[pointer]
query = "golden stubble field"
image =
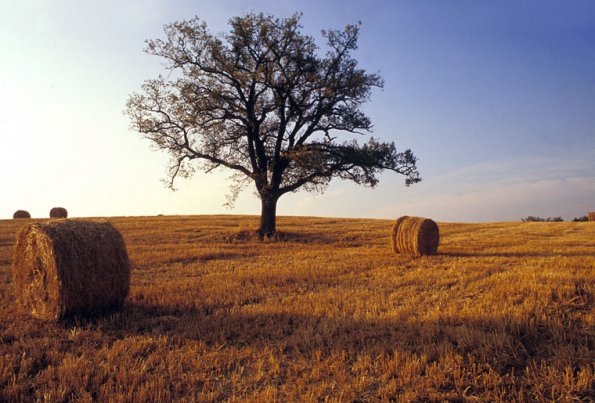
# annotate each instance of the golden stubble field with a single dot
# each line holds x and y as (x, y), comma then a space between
(504, 312)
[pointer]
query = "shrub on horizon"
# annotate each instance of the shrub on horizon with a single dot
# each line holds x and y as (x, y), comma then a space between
(539, 219)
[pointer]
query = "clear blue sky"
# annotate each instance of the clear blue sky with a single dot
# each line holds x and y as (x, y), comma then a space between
(497, 99)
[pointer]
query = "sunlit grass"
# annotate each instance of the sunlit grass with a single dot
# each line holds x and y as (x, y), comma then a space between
(504, 312)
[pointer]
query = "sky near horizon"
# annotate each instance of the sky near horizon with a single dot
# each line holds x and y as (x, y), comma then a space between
(496, 99)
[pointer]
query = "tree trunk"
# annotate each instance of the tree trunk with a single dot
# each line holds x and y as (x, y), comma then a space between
(268, 215)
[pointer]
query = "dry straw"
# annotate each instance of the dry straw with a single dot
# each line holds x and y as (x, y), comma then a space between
(21, 214)
(415, 236)
(58, 212)
(592, 216)
(61, 268)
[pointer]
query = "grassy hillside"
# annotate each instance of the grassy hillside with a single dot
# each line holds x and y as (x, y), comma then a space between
(505, 311)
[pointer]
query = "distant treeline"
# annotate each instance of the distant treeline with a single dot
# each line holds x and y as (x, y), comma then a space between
(552, 219)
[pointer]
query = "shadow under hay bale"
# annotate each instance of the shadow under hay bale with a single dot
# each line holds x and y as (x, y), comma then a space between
(63, 268)
(592, 216)
(58, 212)
(21, 214)
(415, 236)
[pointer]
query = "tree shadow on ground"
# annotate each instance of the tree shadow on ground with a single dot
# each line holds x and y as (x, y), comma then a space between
(534, 254)
(500, 342)
(305, 237)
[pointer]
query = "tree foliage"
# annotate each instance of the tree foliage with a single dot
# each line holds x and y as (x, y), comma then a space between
(265, 102)
(540, 219)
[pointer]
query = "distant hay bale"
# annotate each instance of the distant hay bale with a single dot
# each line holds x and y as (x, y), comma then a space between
(592, 216)
(58, 212)
(415, 236)
(21, 214)
(61, 268)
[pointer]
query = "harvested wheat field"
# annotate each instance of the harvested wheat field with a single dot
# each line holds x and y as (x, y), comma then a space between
(504, 311)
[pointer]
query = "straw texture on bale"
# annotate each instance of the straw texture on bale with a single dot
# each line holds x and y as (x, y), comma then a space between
(58, 212)
(415, 236)
(592, 216)
(21, 214)
(61, 268)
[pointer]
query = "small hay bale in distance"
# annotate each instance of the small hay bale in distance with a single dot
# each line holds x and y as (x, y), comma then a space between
(58, 212)
(592, 216)
(21, 214)
(63, 268)
(415, 236)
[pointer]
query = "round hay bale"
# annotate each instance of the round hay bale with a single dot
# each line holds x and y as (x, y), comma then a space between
(21, 214)
(61, 268)
(415, 236)
(591, 215)
(58, 212)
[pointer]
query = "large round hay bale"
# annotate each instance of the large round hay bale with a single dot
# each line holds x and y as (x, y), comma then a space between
(61, 268)
(21, 214)
(591, 215)
(58, 212)
(415, 236)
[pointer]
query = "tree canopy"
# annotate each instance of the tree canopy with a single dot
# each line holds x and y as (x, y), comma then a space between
(263, 101)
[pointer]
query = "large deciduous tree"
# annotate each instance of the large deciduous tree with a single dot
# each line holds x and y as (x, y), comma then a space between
(263, 101)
